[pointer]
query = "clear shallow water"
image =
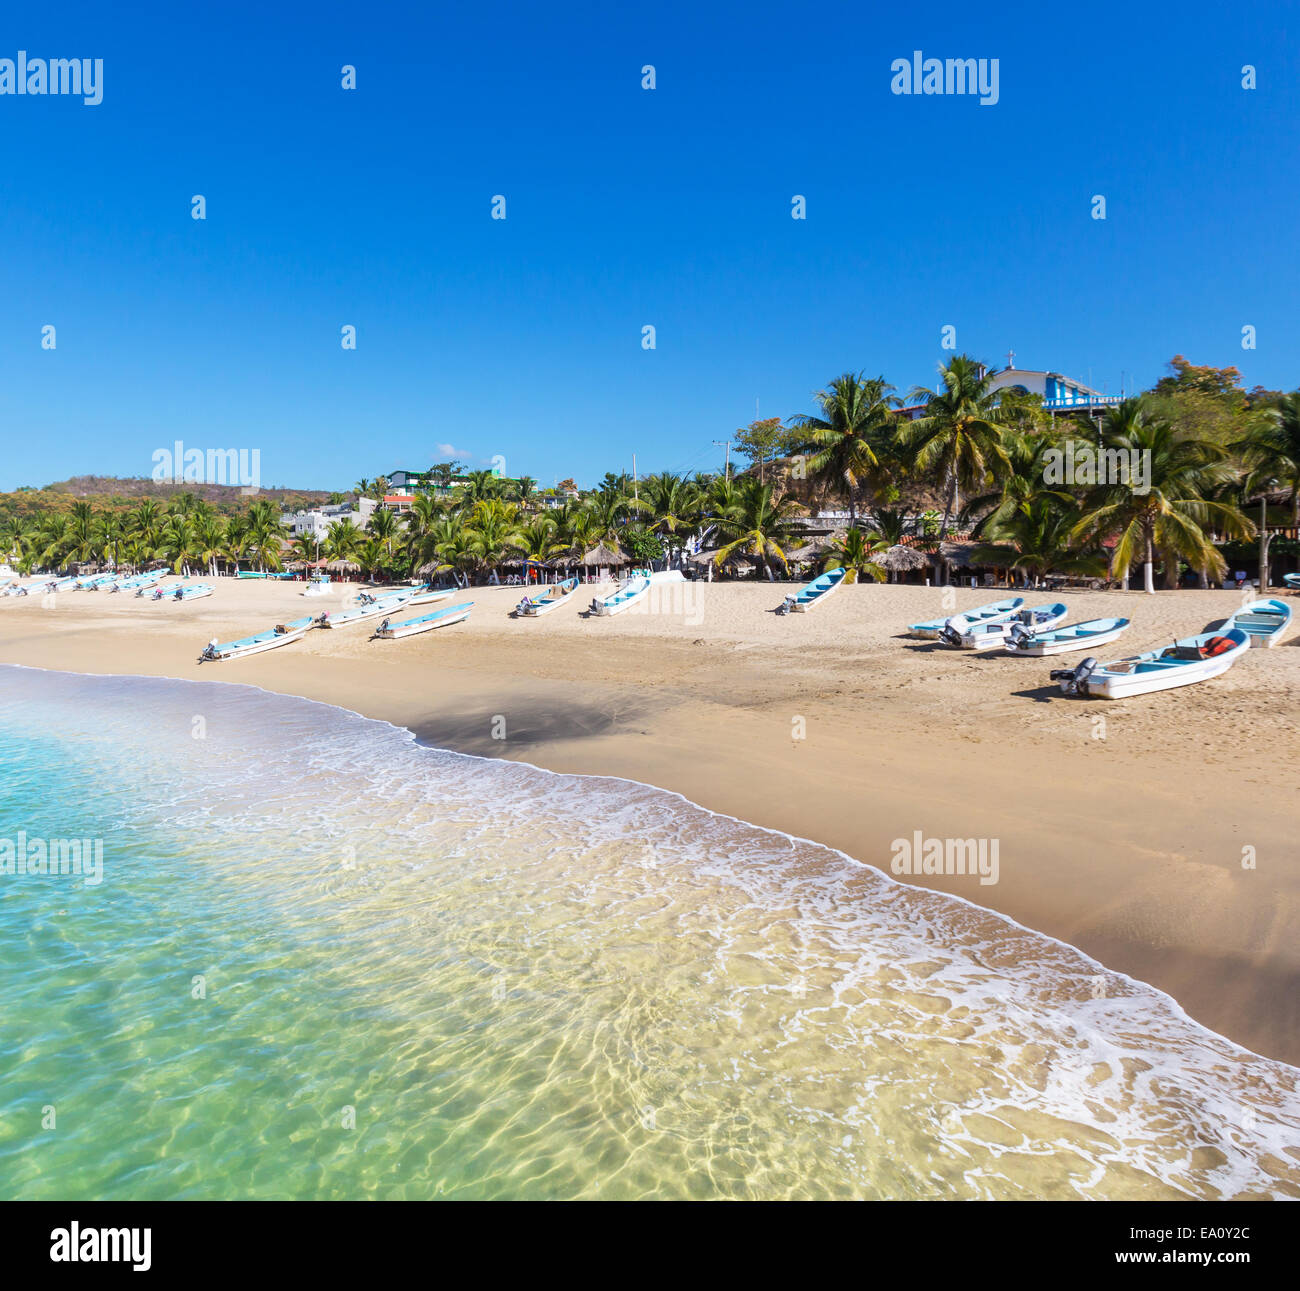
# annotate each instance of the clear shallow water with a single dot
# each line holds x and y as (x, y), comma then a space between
(530, 985)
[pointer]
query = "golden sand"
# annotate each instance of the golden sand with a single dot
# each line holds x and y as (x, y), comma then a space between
(1156, 833)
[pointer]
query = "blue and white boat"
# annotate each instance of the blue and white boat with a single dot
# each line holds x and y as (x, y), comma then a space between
(630, 590)
(1074, 636)
(1265, 622)
(132, 583)
(392, 629)
(1292, 580)
(279, 635)
(811, 593)
(430, 595)
(990, 613)
(370, 609)
(538, 603)
(992, 634)
(187, 592)
(1190, 660)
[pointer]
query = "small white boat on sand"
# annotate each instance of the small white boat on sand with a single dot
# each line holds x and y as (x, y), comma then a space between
(811, 594)
(183, 592)
(279, 635)
(360, 613)
(1264, 622)
(391, 629)
(629, 591)
(1074, 636)
(430, 595)
(1292, 580)
(990, 613)
(992, 634)
(1192, 659)
(538, 603)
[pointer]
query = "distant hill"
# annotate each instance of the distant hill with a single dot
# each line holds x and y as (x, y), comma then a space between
(112, 493)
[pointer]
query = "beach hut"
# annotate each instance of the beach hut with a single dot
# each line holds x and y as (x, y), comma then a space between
(900, 559)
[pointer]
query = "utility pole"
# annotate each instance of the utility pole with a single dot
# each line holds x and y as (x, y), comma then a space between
(635, 497)
(725, 443)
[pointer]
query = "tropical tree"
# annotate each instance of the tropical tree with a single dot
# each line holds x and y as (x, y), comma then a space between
(853, 552)
(960, 435)
(384, 526)
(1035, 537)
(855, 419)
(1174, 512)
(1270, 451)
(758, 525)
(672, 503)
(537, 540)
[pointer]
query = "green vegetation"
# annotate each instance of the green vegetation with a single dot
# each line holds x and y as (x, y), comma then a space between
(1220, 469)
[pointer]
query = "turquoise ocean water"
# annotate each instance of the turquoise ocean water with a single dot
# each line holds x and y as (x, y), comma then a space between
(324, 961)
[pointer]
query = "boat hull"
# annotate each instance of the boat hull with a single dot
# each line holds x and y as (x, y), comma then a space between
(1265, 622)
(530, 609)
(815, 592)
(1040, 649)
(1155, 670)
(395, 631)
(961, 623)
(619, 601)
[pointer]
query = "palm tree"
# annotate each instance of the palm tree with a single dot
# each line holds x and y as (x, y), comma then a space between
(481, 485)
(536, 540)
(1270, 451)
(856, 419)
(492, 533)
(609, 509)
(673, 502)
(210, 540)
(176, 543)
(383, 525)
(757, 525)
(1035, 537)
(306, 548)
(853, 552)
(1175, 512)
(960, 436)
(525, 491)
(343, 540)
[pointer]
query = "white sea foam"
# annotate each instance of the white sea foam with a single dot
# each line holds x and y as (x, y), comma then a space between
(788, 1021)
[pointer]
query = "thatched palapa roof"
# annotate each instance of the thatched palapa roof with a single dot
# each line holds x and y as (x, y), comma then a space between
(600, 554)
(901, 560)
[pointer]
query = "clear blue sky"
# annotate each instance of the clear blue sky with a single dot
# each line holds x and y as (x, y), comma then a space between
(626, 207)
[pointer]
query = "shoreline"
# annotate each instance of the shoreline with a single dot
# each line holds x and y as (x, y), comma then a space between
(1127, 847)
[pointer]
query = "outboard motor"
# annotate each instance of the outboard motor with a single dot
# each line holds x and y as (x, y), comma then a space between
(1074, 681)
(950, 634)
(383, 627)
(1020, 636)
(786, 605)
(522, 607)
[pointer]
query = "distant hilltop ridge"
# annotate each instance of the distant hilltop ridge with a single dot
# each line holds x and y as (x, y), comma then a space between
(110, 488)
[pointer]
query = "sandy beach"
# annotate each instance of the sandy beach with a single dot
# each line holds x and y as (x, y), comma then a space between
(1121, 827)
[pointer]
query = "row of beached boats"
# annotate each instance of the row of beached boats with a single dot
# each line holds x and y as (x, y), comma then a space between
(1011, 626)
(149, 586)
(383, 606)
